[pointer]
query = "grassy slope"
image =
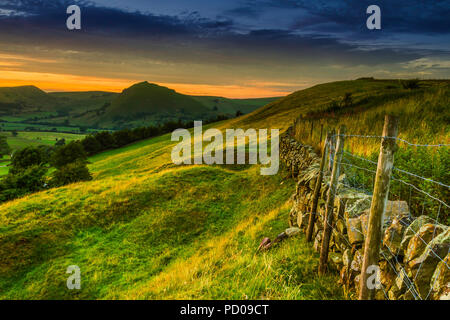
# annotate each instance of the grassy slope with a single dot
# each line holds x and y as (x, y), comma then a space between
(51, 110)
(28, 95)
(146, 229)
(231, 106)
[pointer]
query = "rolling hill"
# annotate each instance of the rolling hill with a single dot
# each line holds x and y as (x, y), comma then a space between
(142, 104)
(147, 229)
(150, 103)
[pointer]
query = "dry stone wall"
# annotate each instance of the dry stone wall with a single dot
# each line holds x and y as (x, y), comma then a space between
(414, 257)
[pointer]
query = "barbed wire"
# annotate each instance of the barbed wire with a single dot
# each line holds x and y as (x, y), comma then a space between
(420, 177)
(420, 190)
(394, 138)
(409, 283)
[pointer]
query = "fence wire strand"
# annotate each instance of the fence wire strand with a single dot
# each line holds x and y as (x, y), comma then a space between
(355, 184)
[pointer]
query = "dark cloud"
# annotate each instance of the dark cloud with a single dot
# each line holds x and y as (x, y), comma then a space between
(401, 16)
(321, 34)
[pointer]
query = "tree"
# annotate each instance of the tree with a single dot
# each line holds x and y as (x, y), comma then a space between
(106, 140)
(69, 153)
(27, 157)
(14, 133)
(71, 173)
(18, 184)
(122, 137)
(239, 113)
(4, 147)
(91, 145)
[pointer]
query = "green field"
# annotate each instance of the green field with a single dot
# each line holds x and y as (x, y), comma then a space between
(25, 138)
(144, 228)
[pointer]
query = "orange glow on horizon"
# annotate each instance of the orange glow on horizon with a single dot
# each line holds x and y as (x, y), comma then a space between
(52, 82)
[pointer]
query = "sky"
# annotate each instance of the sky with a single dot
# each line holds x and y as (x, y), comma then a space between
(231, 48)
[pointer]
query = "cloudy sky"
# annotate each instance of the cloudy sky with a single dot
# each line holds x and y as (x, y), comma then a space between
(232, 48)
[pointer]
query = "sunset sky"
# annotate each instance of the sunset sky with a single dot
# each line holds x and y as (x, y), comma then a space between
(232, 48)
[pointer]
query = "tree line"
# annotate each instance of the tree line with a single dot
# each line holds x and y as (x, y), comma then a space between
(29, 166)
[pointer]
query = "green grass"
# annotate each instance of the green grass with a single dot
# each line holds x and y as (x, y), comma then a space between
(146, 229)
(143, 229)
(25, 139)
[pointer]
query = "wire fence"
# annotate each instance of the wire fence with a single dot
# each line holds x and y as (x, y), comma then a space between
(358, 172)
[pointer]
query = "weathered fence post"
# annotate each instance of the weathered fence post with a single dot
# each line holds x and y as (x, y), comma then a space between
(332, 149)
(328, 220)
(379, 200)
(313, 213)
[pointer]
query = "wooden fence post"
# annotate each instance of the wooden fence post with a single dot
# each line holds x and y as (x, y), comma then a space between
(332, 149)
(328, 220)
(378, 205)
(313, 213)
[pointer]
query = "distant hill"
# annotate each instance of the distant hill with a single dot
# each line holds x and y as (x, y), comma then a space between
(141, 104)
(16, 100)
(29, 95)
(150, 103)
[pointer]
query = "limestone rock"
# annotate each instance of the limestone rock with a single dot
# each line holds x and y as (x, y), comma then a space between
(318, 241)
(347, 257)
(419, 241)
(387, 274)
(412, 229)
(356, 206)
(440, 281)
(340, 241)
(393, 235)
(354, 231)
(422, 268)
(394, 293)
(303, 220)
(293, 218)
(341, 226)
(395, 209)
(335, 261)
(291, 232)
(357, 261)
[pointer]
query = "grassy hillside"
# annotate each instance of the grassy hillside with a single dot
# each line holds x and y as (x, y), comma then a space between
(29, 108)
(150, 103)
(231, 106)
(429, 103)
(24, 95)
(145, 229)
